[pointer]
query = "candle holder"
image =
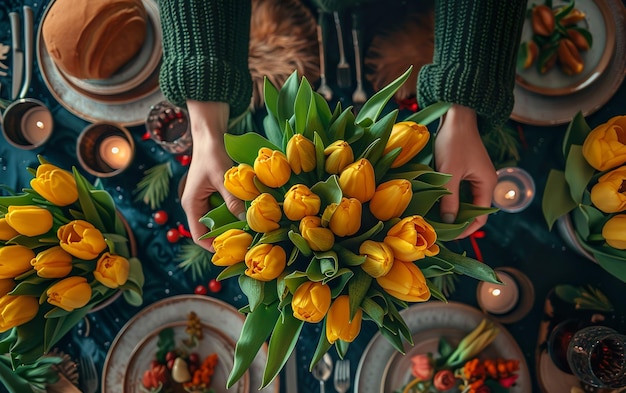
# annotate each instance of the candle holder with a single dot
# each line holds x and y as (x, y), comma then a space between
(168, 125)
(27, 123)
(514, 191)
(510, 302)
(105, 149)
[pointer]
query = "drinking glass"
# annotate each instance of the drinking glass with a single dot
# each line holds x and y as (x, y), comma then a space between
(597, 356)
(168, 126)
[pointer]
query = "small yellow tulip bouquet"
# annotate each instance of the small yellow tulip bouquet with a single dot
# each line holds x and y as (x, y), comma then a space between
(340, 224)
(591, 190)
(64, 249)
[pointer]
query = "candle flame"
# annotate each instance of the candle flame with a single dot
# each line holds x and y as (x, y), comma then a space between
(511, 194)
(40, 124)
(115, 150)
(496, 292)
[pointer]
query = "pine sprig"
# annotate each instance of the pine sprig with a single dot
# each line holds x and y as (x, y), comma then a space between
(195, 258)
(154, 187)
(446, 283)
(502, 144)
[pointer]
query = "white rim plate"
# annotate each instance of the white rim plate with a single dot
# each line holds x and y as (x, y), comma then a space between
(212, 312)
(382, 369)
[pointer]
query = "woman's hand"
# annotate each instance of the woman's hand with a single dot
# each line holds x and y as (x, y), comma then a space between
(460, 152)
(209, 162)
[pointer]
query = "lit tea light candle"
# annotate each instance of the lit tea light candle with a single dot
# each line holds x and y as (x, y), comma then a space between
(514, 191)
(506, 193)
(36, 125)
(115, 151)
(499, 298)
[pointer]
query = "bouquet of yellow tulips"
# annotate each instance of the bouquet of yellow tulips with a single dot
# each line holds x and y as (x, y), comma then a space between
(63, 250)
(340, 224)
(591, 190)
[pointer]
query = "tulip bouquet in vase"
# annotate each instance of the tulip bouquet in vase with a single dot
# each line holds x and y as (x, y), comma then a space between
(341, 223)
(589, 195)
(64, 249)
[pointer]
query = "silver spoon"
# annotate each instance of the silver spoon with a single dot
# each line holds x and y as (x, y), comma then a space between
(322, 370)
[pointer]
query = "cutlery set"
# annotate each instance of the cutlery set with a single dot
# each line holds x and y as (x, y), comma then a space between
(324, 369)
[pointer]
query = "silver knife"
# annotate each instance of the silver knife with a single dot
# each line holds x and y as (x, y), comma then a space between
(291, 373)
(28, 63)
(18, 55)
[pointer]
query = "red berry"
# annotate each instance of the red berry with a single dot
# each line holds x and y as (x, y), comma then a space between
(200, 290)
(171, 355)
(160, 217)
(194, 358)
(172, 235)
(215, 286)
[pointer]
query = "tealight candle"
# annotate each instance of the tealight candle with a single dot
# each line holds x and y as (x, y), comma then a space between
(514, 191)
(499, 298)
(36, 125)
(115, 151)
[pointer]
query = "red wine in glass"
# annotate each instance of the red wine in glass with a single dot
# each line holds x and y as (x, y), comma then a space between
(608, 362)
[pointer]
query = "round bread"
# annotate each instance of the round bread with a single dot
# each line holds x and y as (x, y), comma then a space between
(92, 39)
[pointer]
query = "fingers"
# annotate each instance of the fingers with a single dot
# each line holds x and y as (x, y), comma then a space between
(195, 209)
(449, 206)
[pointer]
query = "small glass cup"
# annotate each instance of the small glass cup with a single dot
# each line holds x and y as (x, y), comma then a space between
(168, 125)
(597, 356)
(514, 191)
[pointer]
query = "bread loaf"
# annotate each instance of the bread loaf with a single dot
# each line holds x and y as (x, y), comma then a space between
(92, 39)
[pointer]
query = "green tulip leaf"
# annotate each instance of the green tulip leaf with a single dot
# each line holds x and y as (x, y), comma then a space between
(133, 297)
(320, 157)
(612, 264)
(578, 172)
(300, 243)
(381, 130)
(468, 212)
(270, 95)
(375, 105)
(354, 242)
(314, 122)
(232, 271)
(383, 165)
(435, 292)
(373, 310)
(433, 267)
(12, 380)
(338, 127)
(218, 231)
(56, 328)
(282, 343)
(87, 205)
(276, 236)
(19, 200)
(301, 107)
(286, 98)
(557, 200)
(322, 112)
(392, 337)
(448, 232)
(273, 131)
(422, 202)
(358, 287)
(467, 266)
(430, 113)
(595, 218)
(322, 347)
(339, 281)
(253, 289)
(33, 286)
(347, 257)
(244, 148)
(328, 191)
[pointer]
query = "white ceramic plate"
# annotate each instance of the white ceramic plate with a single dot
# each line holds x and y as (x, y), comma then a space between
(213, 313)
(382, 369)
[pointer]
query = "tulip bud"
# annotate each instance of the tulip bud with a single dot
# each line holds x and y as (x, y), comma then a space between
(29, 220)
(300, 201)
(346, 217)
(265, 262)
(52, 263)
(405, 281)
(239, 181)
(301, 154)
(542, 20)
(272, 168)
(358, 181)
(378, 258)
(15, 260)
(338, 323)
(6, 231)
(6, 286)
(569, 57)
(231, 247)
(412, 238)
(70, 293)
(16, 311)
(54, 184)
(317, 237)
(338, 156)
(311, 301)
(605, 146)
(614, 231)
(609, 194)
(411, 137)
(264, 214)
(112, 270)
(81, 239)
(391, 199)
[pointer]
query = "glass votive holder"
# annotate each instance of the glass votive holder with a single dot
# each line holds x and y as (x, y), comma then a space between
(27, 123)
(168, 125)
(105, 149)
(507, 302)
(514, 190)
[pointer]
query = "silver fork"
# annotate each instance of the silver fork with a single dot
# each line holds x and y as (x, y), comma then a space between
(342, 376)
(88, 375)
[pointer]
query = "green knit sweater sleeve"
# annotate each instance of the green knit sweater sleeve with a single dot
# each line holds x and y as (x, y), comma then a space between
(204, 57)
(476, 43)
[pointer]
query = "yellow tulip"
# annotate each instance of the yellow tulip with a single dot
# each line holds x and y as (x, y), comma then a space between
(301, 154)
(357, 180)
(6, 286)
(338, 156)
(272, 168)
(300, 201)
(412, 238)
(54, 184)
(70, 293)
(265, 262)
(52, 263)
(614, 231)
(378, 258)
(605, 146)
(112, 270)
(239, 181)
(15, 260)
(81, 239)
(231, 247)
(391, 199)
(316, 236)
(264, 214)
(16, 311)
(608, 194)
(29, 220)
(405, 281)
(6, 231)
(411, 137)
(338, 323)
(346, 219)
(311, 301)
